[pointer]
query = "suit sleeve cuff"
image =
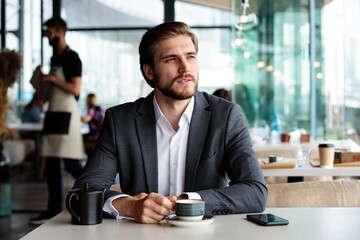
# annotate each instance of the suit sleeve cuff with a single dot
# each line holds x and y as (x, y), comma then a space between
(110, 209)
(193, 195)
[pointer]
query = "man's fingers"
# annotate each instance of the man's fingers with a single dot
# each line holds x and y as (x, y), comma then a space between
(141, 196)
(150, 211)
(161, 200)
(150, 208)
(149, 216)
(159, 204)
(172, 198)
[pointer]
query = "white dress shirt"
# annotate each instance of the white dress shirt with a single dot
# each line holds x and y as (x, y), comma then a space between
(171, 151)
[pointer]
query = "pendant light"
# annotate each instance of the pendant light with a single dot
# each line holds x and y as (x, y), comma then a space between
(244, 17)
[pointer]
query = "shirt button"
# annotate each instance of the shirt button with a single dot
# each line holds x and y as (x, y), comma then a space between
(174, 164)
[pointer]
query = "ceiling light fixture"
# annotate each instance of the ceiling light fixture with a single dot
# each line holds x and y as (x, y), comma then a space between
(240, 41)
(244, 17)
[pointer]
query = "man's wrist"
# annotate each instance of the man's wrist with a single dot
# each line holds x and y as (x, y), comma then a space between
(123, 205)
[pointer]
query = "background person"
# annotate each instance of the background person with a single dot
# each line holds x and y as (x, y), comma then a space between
(95, 117)
(223, 93)
(33, 111)
(62, 139)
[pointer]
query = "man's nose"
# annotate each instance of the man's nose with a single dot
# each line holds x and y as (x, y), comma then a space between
(184, 66)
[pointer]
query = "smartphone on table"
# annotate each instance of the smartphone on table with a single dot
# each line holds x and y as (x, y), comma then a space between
(267, 219)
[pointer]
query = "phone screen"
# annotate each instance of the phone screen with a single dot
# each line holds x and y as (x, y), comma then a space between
(267, 219)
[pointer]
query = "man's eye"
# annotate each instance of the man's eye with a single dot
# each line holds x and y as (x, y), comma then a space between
(170, 60)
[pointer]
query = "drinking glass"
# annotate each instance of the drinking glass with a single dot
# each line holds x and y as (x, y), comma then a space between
(302, 155)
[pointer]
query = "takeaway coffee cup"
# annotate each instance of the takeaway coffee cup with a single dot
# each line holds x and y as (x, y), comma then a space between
(85, 205)
(327, 153)
(189, 209)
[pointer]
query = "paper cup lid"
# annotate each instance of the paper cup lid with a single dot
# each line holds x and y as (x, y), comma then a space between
(326, 145)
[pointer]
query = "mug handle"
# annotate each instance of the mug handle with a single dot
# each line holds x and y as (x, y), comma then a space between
(68, 205)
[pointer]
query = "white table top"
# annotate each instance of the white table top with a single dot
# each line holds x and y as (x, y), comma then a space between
(305, 223)
(312, 171)
(37, 127)
(25, 126)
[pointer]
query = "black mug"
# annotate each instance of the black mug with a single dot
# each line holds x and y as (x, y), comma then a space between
(85, 205)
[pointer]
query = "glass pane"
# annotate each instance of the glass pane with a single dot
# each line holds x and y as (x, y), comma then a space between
(31, 43)
(112, 71)
(214, 59)
(112, 13)
(12, 15)
(47, 9)
(341, 71)
(12, 41)
(197, 15)
(272, 65)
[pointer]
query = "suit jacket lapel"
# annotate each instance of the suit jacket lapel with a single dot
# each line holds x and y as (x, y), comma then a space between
(146, 130)
(197, 134)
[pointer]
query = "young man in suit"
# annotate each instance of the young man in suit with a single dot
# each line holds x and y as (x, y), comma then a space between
(177, 142)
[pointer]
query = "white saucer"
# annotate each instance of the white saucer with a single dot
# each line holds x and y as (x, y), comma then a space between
(174, 220)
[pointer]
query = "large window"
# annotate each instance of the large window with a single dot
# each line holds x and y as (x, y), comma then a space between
(341, 44)
(272, 66)
(23, 34)
(300, 63)
(13, 37)
(112, 13)
(106, 34)
(197, 15)
(212, 27)
(110, 64)
(31, 44)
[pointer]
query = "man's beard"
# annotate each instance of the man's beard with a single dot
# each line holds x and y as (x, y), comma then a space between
(170, 91)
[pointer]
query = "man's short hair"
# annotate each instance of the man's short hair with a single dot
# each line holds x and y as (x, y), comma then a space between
(56, 23)
(156, 34)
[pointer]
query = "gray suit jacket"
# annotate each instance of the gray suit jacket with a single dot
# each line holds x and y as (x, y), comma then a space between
(219, 149)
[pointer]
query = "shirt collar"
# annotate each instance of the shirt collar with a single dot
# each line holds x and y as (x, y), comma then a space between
(187, 113)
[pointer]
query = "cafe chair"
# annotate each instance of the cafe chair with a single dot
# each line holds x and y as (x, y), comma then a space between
(314, 194)
(18, 150)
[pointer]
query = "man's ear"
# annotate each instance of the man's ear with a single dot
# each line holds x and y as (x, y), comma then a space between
(60, 32)
(148, 71)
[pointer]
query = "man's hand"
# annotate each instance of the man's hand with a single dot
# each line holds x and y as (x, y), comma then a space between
(145, 208)
(48, 78)
(72, 86)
